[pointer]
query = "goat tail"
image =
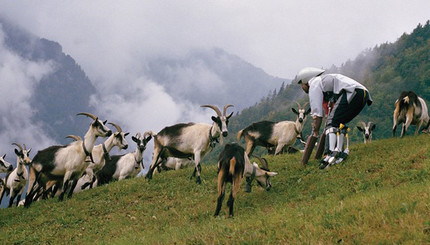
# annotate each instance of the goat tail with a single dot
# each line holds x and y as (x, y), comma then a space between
(406, 99)
(239, 135)
(232, 165)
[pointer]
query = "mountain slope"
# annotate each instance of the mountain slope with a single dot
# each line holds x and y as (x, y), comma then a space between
(386, 70)
(59, 94)
(379, 195)
(212, 77)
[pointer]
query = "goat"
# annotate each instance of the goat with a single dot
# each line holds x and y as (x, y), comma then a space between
(173, 163)
(233, 165)
(15, 182)
(120, 167)
(101, 155)
(192, 140)
(410, 109)
(5, 167)
(64, 163)
(274, 134)
(367, 131)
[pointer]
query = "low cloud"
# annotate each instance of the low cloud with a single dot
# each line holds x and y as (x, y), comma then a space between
(19, 77)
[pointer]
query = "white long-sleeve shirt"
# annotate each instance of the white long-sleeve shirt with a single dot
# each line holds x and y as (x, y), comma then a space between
(335, 83)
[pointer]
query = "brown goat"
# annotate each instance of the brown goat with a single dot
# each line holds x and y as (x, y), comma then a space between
(233, 165)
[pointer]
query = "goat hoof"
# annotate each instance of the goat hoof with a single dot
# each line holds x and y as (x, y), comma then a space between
(198, 180)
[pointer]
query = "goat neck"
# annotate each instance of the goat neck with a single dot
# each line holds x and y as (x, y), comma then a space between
(109, 144)
(89, 140)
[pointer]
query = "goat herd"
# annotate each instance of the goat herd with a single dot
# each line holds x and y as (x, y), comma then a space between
(65, 169)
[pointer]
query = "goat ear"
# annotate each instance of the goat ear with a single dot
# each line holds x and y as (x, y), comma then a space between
(359, 128)
(294, 110)
(134, 139)
(231, 114)
(373, 126)
(147, 139)
(308, 111)
(4, 156)
(126, 134)
(28, 152)
(17, 152)
(271, 174)
(214, 118)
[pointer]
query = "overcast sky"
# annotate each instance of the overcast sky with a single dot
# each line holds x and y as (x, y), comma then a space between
(111, 39)
(106, 37)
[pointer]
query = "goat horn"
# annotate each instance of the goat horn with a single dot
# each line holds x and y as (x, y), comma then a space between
(74, 137)
(263, 161)
(304, 106)
(18, 145)
(225, 108)
(216, 109)
(118, 128)
(147, 133)
(137, 135)
(300, 107)
(88, 115)
(363, 123)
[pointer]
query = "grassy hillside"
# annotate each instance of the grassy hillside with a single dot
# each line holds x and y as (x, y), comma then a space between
(381, 194)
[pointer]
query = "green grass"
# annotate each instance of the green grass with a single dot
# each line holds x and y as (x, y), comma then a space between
(380, 195)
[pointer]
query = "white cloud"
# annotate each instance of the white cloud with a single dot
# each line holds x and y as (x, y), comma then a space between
(18, 77)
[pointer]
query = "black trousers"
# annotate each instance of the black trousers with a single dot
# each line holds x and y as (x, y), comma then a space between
(343, 112)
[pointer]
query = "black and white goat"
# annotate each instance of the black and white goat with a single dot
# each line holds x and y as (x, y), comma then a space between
(192, 140)
(367, 130)
(233, 166)
(101, 156)
(15, 182)
(120, 167)
(64, 163)
(410, 109)
(274, 134)
(5, 167)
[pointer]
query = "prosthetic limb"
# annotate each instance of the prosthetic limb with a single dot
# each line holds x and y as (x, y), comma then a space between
(332, 136)
(344, 154)
(337, 154)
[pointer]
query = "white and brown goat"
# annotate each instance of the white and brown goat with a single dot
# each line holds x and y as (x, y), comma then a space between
(233, 166)
(64, 164)
(189, 140)
(16, 181)
(120, 167)
(410, 109)
(367, 130)
(274, 134)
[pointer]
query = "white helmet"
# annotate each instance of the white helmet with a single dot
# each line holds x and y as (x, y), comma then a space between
(306, 74)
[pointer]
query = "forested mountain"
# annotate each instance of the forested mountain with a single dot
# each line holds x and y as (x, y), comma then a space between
(386, 70)
(57, 95)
